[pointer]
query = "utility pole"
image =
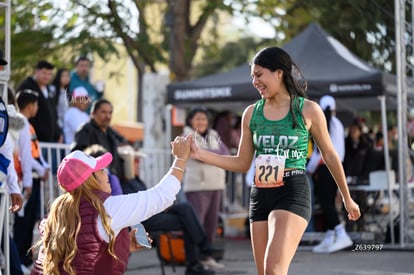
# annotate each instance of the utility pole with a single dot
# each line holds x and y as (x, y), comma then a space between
(401, 68)
(5, 7)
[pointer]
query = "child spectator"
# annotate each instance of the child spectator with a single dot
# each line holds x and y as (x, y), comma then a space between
(76, 115)
(27, 102)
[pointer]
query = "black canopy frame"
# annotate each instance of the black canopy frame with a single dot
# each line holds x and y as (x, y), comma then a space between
(327, 65)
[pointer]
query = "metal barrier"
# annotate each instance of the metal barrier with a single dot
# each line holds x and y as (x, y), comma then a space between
(53, 153)
(156, 164)
(237, 192)
(5, 225)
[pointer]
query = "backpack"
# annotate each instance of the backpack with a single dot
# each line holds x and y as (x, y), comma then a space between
(170, 247)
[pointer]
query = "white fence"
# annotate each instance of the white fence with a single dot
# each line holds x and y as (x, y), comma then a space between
(5, 225)
(53, 153)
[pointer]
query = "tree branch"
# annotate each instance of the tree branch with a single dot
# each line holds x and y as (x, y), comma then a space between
(129, 42)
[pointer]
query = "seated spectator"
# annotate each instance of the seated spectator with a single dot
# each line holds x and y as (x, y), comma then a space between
(97, 150)
(357, 150)
(180, 216)
(379, 141)
(99, 131)
(76, 115)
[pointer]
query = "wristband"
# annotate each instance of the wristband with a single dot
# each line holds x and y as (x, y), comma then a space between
(178, 169)
(177, 158)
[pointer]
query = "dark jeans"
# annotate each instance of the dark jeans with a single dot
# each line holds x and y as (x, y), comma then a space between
(15, 267)
(181, 217)
(326, 190)
(23, 226)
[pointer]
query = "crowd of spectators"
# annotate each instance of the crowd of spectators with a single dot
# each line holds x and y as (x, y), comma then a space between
(66, 107)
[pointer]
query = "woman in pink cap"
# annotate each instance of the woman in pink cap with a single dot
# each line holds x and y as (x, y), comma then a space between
(86, 231)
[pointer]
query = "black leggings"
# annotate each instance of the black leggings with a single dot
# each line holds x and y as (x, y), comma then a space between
(326, 190)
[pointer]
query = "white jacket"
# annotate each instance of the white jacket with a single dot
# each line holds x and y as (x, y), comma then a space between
(200, 176)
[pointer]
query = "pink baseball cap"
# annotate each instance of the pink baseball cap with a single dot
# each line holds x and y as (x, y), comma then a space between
(76, 167)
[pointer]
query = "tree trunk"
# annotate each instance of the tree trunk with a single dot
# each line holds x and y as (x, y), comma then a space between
(180, 68)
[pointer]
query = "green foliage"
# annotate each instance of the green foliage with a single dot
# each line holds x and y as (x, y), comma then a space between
(366, 28)
(27, 37)
(41, 31)
(233, 54)
(351, 22)
(61, 31)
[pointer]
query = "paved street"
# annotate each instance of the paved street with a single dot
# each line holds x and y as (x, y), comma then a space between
(238, 259)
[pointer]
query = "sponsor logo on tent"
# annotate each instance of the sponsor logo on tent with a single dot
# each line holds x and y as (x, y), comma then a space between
(203, 93)
(334, 88)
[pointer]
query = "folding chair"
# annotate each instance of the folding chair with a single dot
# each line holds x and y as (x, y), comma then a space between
(377, 190)
(170, 248)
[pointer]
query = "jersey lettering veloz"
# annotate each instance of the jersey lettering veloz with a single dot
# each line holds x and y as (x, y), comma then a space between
(285, 145)
(278, 137)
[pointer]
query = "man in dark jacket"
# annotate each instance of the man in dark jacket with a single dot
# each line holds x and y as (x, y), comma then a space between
(45, 121)
(99, 131)
(180, 216)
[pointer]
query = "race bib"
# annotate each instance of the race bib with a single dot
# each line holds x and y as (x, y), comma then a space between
(269, 171)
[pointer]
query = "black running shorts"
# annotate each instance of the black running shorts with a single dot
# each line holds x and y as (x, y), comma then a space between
(293, 196)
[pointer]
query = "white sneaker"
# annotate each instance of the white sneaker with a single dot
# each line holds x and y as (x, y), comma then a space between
(210, 263)
(340, 243)
(326, 243)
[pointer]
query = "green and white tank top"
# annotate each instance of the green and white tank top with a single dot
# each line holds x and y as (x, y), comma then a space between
(278, 137)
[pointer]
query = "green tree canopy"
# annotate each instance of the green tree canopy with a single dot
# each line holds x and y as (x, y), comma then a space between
(45, 27)
(366, 28)
(62, 30)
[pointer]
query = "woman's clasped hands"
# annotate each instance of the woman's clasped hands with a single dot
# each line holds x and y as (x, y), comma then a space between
(181, 146)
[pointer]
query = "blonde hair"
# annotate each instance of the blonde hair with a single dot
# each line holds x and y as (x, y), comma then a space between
(63, 224)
